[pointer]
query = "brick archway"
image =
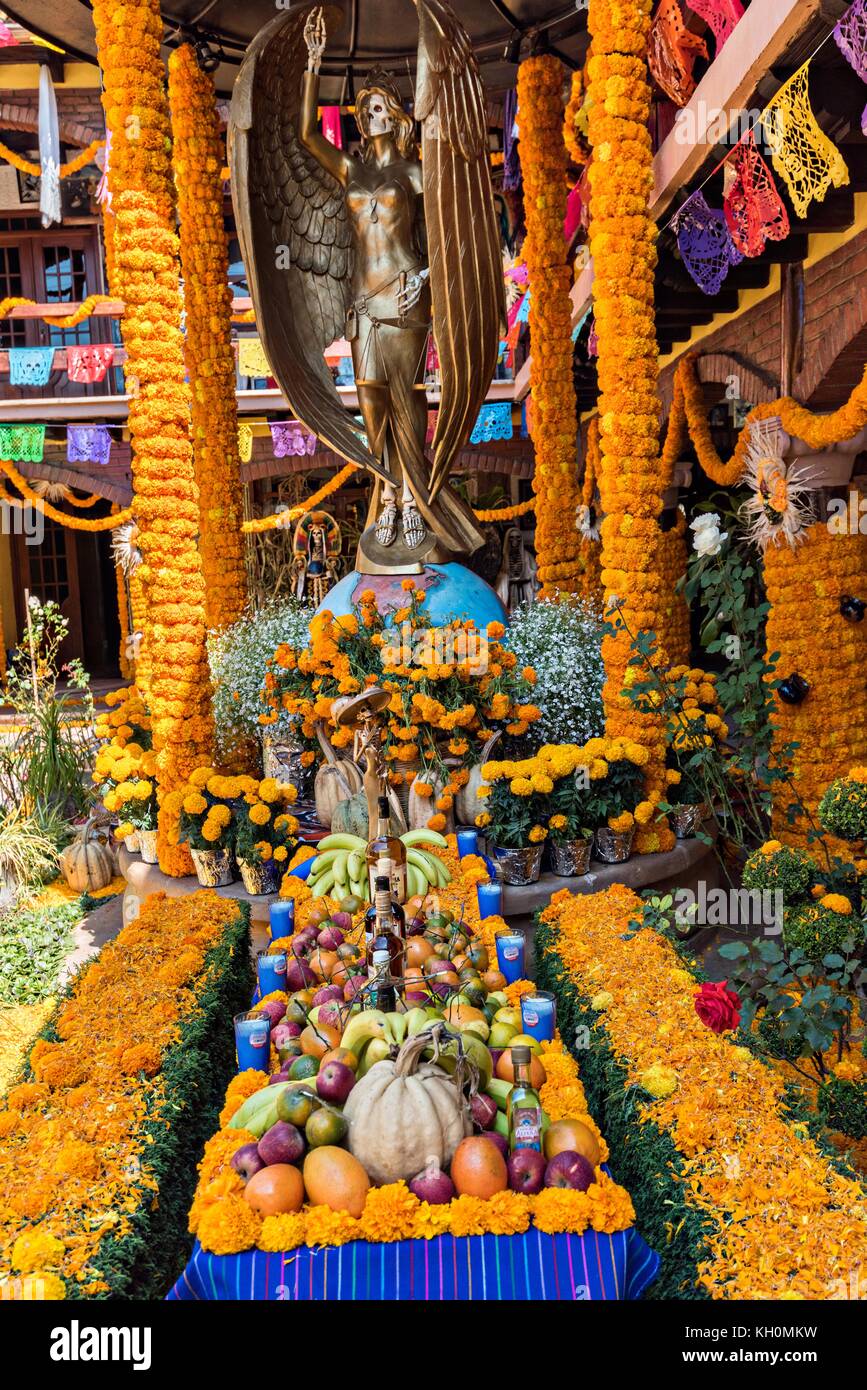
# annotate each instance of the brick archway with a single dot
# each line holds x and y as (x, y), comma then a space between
(714, 369)
(13, 116)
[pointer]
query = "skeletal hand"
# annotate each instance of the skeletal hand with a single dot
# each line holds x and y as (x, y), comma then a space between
(316, 37)
(412, 291)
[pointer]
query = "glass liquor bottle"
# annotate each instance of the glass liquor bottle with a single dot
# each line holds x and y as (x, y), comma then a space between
(385, 954)
(524, 1113)
(384, 845)
(383, 870)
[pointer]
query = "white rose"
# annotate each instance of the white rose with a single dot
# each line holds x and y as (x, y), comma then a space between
(707, 537)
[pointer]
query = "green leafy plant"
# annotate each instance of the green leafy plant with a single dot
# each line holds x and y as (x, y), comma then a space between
(843, 808)
(569, 810)
(817, 928)
(34, 942)
(806, 1006)
(516, 821)
(776, 867)
(28, 853)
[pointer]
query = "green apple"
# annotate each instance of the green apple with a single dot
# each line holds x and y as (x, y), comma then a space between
(524, 1040)
(501, 1035)
(510, 1015)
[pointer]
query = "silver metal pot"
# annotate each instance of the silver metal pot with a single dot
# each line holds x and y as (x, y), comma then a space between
(215, 868)
(518, 866)
(570, 858)
(613, 846)
(686, 820)
(281, 759)
(260, 879)
(147, 846)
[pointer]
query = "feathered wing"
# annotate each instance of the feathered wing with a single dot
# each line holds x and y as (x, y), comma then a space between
(469, 302)
(294, 233)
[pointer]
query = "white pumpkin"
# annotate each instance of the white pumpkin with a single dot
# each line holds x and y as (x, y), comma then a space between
(88, 864)
(468, 805)
(419, 809)
(403, 1116)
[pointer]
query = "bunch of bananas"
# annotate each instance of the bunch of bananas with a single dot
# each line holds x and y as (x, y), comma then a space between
(374, 1035)
(340, 866)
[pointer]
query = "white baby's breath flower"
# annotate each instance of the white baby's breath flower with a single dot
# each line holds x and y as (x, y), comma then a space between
(238, 658)
(562, 641)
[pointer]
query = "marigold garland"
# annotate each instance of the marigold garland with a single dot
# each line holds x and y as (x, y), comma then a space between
(544, 163)
(74, 1139)
(670, 562)
(804, 625)
(622, 244)
(782, 1222)
(127, 666)
(208, 346)
(166, 505)
(84, 310)
(72, 166)
(75, 523)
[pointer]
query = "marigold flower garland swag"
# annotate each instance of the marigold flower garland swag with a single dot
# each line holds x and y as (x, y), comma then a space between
(226, 1224)
(544, 162)
(210, 362)
(166, 503)
(631, 481)
(96, 1143)
(756, 1210)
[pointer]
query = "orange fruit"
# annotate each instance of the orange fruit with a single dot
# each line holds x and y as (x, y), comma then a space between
(334, 1178)
(478, 1168)
(322, 963)
(493, 980)
(572, 1136)
(460, 1015)
(418, 950)
(275, 1189)
(315, 914)
(412, 907)
(340, 1054)
(506, 1072)
(477, 955)
(319, 1039)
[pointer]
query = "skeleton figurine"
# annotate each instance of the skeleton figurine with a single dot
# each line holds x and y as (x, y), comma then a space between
(516, 582)
(315, 556)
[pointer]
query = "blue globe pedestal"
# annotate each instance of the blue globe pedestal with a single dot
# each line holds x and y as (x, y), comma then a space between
(451, 591)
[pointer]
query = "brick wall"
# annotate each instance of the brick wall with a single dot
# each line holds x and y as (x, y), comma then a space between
(835, 337)
(79, 112)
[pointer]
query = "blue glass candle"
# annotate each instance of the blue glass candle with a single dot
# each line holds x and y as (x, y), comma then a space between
(539, 1015)
(253, 1041)
(271, 967)
(490, 896)
(281, 918)
(510, 955)
(468, 842)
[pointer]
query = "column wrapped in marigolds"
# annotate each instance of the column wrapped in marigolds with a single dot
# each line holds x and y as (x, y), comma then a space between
(165, 497)
(631, 482)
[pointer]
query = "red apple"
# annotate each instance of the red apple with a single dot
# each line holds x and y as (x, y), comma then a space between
(298, 974)
(527, 1171)
(569, 1169)
(484, 1110)
(330, 937)
(274, 1010)
(282, 1143)
(433, 1186)
(415, 926)
(283, 1032)
(246, 1161)
(334, 1082)
(354, 985)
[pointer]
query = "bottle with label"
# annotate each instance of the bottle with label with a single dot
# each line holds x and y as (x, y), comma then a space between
(384, 845)
(385, 952)
(383, 870)
(524, 1112)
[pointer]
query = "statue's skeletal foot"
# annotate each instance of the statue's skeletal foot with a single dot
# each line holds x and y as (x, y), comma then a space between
(386, 526)
(414, 529)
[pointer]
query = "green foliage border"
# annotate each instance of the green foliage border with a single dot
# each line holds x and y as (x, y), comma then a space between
(143, 1264)
(643, 1156)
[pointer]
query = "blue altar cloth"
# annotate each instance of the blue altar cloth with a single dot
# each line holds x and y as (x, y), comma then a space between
(529, 1266)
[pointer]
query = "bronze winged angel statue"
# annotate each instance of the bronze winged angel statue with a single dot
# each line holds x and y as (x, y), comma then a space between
(376, 248)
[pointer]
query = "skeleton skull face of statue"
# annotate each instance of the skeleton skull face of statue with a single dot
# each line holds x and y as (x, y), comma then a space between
(379, 122)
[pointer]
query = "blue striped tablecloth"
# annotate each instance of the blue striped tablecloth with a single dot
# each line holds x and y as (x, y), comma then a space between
(528, 1266)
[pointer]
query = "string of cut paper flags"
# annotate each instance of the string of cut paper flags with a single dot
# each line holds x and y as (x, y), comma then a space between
(712, 240)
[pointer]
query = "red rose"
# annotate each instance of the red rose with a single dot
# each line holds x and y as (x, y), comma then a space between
(718, 1006)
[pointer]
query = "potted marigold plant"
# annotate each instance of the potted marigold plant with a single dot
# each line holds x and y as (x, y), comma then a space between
(615, 770)
(125, 771)
(265, 836)
(516, 824)
(570, 837)
(452, 687)
(207, 823)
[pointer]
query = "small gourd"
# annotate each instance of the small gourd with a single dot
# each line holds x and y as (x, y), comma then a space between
(88, 864)
(403, 1116)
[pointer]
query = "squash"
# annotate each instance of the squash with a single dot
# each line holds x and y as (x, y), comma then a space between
(467, 802)
(350, 816)
(88, 864)
(336, 780)
(419, 809)
(405, 1114)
